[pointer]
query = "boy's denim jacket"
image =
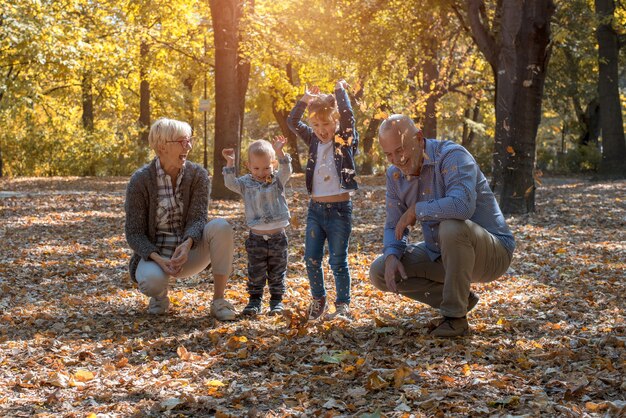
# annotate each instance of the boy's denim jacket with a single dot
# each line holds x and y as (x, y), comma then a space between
(345, 146)
(264, 201)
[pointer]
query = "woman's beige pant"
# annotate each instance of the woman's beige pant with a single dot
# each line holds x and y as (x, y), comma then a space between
(468, 254)
(216, 247)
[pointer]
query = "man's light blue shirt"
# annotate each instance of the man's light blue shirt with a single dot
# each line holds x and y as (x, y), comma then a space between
(450, 186)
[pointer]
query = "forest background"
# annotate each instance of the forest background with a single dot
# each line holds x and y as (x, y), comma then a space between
(81, 81)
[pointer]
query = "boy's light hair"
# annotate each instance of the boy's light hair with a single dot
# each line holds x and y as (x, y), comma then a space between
(164, 129)
(262, 147)
(324, 107)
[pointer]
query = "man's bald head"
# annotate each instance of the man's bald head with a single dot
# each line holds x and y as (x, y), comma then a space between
(402, 143)
(397, 126)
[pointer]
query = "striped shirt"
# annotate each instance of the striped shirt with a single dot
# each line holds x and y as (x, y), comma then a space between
(169, 219)
(450, 186)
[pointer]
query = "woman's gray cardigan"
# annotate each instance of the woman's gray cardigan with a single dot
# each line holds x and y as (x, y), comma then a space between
(141, 206)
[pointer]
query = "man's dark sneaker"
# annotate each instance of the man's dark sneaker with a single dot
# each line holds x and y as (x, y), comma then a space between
(253, 308)
(472, 301)
(451, 327)
(276, 307)
(317, 308)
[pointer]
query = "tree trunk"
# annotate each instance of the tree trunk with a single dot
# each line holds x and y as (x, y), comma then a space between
(281, 119)
(225, 15)
(468, 133)
(189, 82)
(292, 139)
(87, 95)
(590, 121)
(144, 94)
(243, 77)
(518, 54)
(368, 142)
(431, 77)
(613, 145)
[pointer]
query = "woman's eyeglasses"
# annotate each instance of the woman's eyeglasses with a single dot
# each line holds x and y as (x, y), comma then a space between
(184, 142)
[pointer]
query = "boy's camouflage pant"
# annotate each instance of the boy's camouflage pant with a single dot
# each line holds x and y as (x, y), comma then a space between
(267, 262)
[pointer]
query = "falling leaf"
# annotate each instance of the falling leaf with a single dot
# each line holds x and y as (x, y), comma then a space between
(510, 150)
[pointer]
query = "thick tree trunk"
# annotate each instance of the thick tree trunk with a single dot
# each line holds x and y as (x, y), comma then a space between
(519, 57)
(144, 94)
(613, 145)
(225, 15)
(87, 99)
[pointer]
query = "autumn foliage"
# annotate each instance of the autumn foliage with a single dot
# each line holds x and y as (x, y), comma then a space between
(548, 339)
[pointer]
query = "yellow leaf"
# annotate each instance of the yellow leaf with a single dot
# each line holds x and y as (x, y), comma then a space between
(183, 353)
(92, 415)
(448, 379)
(121, 363)
(214, 383)
(381, 115)
(595, 407)
(83, 375)
(399, 375)
(235, 342)
(561, 251)
(467, 370)
(375, 382)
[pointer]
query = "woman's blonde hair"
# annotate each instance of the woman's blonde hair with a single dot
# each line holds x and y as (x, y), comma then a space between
(324, 107)
(164, 129)
(262, 147)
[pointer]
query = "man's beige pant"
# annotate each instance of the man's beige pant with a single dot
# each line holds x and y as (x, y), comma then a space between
(468, 254)
(216, 247)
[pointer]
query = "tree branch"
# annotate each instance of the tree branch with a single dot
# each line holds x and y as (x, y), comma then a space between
(483, 38)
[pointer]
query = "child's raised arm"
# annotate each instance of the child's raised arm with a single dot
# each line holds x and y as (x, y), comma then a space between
(284, 169)
(294, 120)
(230, 181)
(347, 122)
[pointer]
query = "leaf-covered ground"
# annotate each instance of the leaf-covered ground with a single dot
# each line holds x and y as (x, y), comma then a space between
(548, 339)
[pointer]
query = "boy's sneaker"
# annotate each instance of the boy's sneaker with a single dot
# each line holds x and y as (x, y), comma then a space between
(276, 307)
(223, 310)
(317, 308)
(253, 308)
(342, 310)
(158, 305)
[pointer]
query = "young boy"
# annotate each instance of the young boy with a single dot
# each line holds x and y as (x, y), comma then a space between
(267, 216)
(330, 172)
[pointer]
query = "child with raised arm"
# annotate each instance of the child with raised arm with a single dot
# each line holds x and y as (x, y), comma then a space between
(330, 172)
(267, 216)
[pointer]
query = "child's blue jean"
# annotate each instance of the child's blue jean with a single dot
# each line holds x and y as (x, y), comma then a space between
(332, 222)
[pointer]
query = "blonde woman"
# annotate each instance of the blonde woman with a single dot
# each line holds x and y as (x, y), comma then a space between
(167, 226)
